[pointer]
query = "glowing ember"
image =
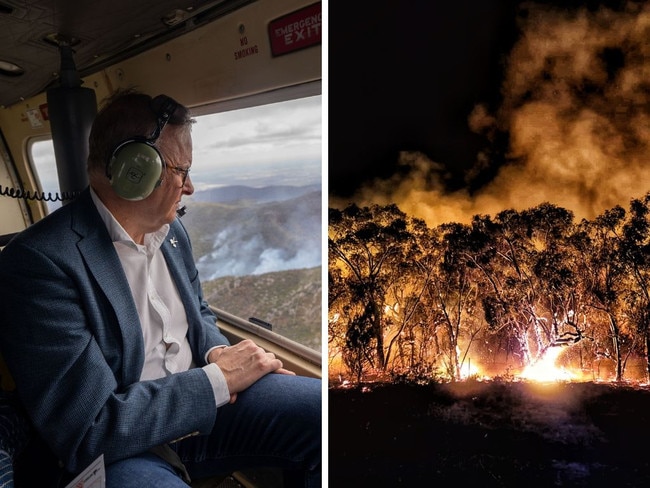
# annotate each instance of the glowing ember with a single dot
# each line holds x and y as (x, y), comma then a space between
(546, 370)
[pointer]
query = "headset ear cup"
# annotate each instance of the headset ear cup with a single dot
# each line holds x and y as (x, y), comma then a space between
(135, 169)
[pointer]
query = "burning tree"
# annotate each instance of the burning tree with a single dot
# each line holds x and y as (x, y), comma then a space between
(635, 251)
(455, 292)
(519, 283)
(604, 275)
(369, 245)
(407, 320)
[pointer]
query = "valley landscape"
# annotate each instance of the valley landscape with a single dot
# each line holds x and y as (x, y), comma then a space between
(258, 251)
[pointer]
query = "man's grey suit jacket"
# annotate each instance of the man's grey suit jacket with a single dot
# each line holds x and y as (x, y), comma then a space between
(70, 334)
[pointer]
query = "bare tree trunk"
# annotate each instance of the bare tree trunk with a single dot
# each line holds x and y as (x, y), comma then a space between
(647, 355)
(616, 342)
(378, 333)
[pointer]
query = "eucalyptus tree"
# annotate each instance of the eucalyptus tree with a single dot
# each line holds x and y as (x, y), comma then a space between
(506, 267)
(558, 298)
(603, 274)
(453, 294)
(635, 254)
(340, 318)
(409, 325)
(527, 284)
(369, 245)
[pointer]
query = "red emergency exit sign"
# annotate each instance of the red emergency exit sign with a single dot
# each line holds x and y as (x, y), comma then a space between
(297, 30)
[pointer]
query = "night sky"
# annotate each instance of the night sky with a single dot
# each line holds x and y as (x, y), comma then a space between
(460, 90)
(406, 78)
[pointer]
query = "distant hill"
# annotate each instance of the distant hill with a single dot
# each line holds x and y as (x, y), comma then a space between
(289, 300)
(258, 195)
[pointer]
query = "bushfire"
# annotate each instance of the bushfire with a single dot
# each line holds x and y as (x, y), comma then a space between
(519, 352)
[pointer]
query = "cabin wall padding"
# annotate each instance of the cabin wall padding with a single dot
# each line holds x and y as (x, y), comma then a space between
(71, 111)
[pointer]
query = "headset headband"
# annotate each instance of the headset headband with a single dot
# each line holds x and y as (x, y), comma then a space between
(164, 115)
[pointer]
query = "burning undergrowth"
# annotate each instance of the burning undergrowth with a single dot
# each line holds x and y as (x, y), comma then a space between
(498, 433)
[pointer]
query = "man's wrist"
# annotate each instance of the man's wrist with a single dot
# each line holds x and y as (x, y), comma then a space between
(213, 353)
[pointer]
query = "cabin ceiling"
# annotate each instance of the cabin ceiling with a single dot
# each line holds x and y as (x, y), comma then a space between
(99, 33)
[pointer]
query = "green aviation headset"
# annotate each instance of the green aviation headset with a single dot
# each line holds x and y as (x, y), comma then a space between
(136, 167)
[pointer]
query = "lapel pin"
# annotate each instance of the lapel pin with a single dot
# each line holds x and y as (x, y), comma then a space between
(173, 241)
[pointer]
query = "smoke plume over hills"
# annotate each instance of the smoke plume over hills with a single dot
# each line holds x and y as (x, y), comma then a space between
(247, 234)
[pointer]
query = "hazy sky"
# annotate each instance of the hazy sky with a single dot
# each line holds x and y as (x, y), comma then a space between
(279, 142)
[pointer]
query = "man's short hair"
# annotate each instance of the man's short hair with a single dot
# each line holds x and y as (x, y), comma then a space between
(128, 114)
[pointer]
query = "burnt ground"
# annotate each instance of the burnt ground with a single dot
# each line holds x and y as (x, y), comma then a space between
(490, 434)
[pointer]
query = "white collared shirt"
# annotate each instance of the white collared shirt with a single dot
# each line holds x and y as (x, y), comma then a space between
(160, 309)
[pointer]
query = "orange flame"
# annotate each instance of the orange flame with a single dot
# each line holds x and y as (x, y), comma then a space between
(545, 369)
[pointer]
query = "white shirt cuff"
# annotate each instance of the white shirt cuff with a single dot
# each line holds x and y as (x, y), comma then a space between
(218, 382)
(210, 350)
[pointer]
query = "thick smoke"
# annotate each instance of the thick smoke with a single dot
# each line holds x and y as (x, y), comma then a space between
(576, 106)
(267, 237)
(238, 254)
